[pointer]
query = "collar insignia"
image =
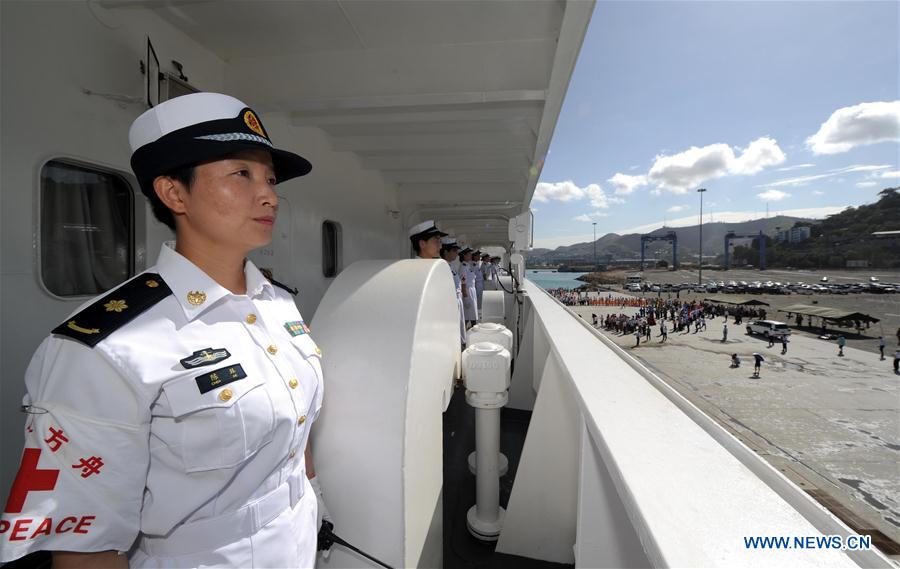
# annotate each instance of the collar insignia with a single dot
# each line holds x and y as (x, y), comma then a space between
(205, 357)
(196, 297)
(296, 328)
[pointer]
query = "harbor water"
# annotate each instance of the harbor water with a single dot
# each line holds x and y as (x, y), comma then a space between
(548, 279)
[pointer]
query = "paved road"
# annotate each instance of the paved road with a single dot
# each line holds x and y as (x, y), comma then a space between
(831, 424)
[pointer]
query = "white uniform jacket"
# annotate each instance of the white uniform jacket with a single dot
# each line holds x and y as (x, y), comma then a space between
(454, 268)
(479, 281)
(470, 299)
(179, 436)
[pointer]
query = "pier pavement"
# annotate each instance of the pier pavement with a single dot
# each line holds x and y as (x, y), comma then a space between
(829, 423)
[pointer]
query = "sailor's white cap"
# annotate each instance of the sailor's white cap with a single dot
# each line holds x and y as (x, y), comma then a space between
(198, 127)
(425, 230)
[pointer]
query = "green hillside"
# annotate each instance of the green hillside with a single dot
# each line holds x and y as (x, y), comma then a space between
(839, 238)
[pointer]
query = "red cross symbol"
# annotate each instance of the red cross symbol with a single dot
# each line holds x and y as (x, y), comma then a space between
(29, 479)
(56, 440)
(89, 466)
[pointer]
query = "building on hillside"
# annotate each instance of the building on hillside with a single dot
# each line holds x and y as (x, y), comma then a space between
(792, 235)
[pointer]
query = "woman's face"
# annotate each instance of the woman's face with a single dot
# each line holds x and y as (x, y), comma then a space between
(430, 248)
(232, 202)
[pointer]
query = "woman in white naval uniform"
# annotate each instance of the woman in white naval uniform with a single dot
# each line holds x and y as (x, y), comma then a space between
(479, 278)
(169, 419)
(450, 253)
(426, 239)
(470, 301)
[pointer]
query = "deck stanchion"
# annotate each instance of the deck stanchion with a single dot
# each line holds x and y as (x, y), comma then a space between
(487, 369)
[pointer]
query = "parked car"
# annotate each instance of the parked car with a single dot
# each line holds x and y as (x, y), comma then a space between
(769, 328)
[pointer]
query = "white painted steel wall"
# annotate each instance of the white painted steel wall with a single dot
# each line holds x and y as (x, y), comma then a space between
(50, 52)
(389, 332)
(621, 472)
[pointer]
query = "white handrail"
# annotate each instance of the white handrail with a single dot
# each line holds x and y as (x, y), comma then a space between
(690, 491)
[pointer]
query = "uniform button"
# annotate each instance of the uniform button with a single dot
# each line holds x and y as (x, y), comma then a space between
(273, 349)
(225, 394)
(292, 454)
(251, 318)
(301, 420)
(293, 383)
(318, 351)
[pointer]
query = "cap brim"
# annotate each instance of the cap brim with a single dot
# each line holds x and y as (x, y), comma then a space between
(428, 234)
(158, 159)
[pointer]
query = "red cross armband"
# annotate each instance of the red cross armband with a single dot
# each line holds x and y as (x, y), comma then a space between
(79, 486)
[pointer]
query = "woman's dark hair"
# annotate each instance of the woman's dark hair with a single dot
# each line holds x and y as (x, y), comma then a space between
(185, 175)
(415, 243)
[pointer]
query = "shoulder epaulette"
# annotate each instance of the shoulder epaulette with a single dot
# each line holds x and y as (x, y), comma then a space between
(114, 310)
(293, 291)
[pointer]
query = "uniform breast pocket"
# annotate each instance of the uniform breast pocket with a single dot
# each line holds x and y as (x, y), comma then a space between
(221, 427)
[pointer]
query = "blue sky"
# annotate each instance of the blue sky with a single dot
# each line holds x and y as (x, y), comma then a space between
(791, 104)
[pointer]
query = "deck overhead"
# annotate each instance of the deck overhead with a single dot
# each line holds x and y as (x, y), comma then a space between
(453, 102)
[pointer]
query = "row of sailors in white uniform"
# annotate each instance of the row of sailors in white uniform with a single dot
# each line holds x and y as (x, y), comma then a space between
(473, 272)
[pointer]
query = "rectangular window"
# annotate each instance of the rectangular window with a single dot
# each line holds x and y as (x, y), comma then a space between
(87, 229)
(331, 248)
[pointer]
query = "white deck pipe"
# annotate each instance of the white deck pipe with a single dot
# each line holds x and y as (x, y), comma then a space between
(487, 368)
(497, 334)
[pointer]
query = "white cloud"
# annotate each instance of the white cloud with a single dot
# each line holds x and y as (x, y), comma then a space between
(762, 152)
(801, 180)
(686, 170)
(626, 184)
(818, 193)
(866, 184)
(859, 125)
(598, 197)
(590, 216)
(773, 195)
(794, 167)
(558, 191)
(891, 174)
(677, 208)
(727, 217)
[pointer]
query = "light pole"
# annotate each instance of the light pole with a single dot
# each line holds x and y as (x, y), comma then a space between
(700, 273)
(594, 268)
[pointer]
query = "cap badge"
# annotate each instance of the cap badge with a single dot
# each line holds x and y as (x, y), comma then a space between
(254, 124)
(196, 297)
(152, 283)
(115, 306)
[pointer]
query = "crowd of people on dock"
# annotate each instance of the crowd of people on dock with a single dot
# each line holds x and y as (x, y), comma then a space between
(680, 312)
(680, 316)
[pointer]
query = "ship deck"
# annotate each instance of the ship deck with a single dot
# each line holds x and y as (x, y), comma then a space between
(461, 550)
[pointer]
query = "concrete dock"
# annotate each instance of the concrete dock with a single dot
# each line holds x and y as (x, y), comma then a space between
(831, 424)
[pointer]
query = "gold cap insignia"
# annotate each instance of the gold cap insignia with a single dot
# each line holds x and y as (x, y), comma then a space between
(115, 306)
(152, 283)
(196, 297)
(251, 121)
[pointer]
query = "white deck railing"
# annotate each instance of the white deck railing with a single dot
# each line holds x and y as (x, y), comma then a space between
(619, 470)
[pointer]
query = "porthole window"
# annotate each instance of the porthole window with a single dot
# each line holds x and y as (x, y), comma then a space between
(331, 248)
(86, 229)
